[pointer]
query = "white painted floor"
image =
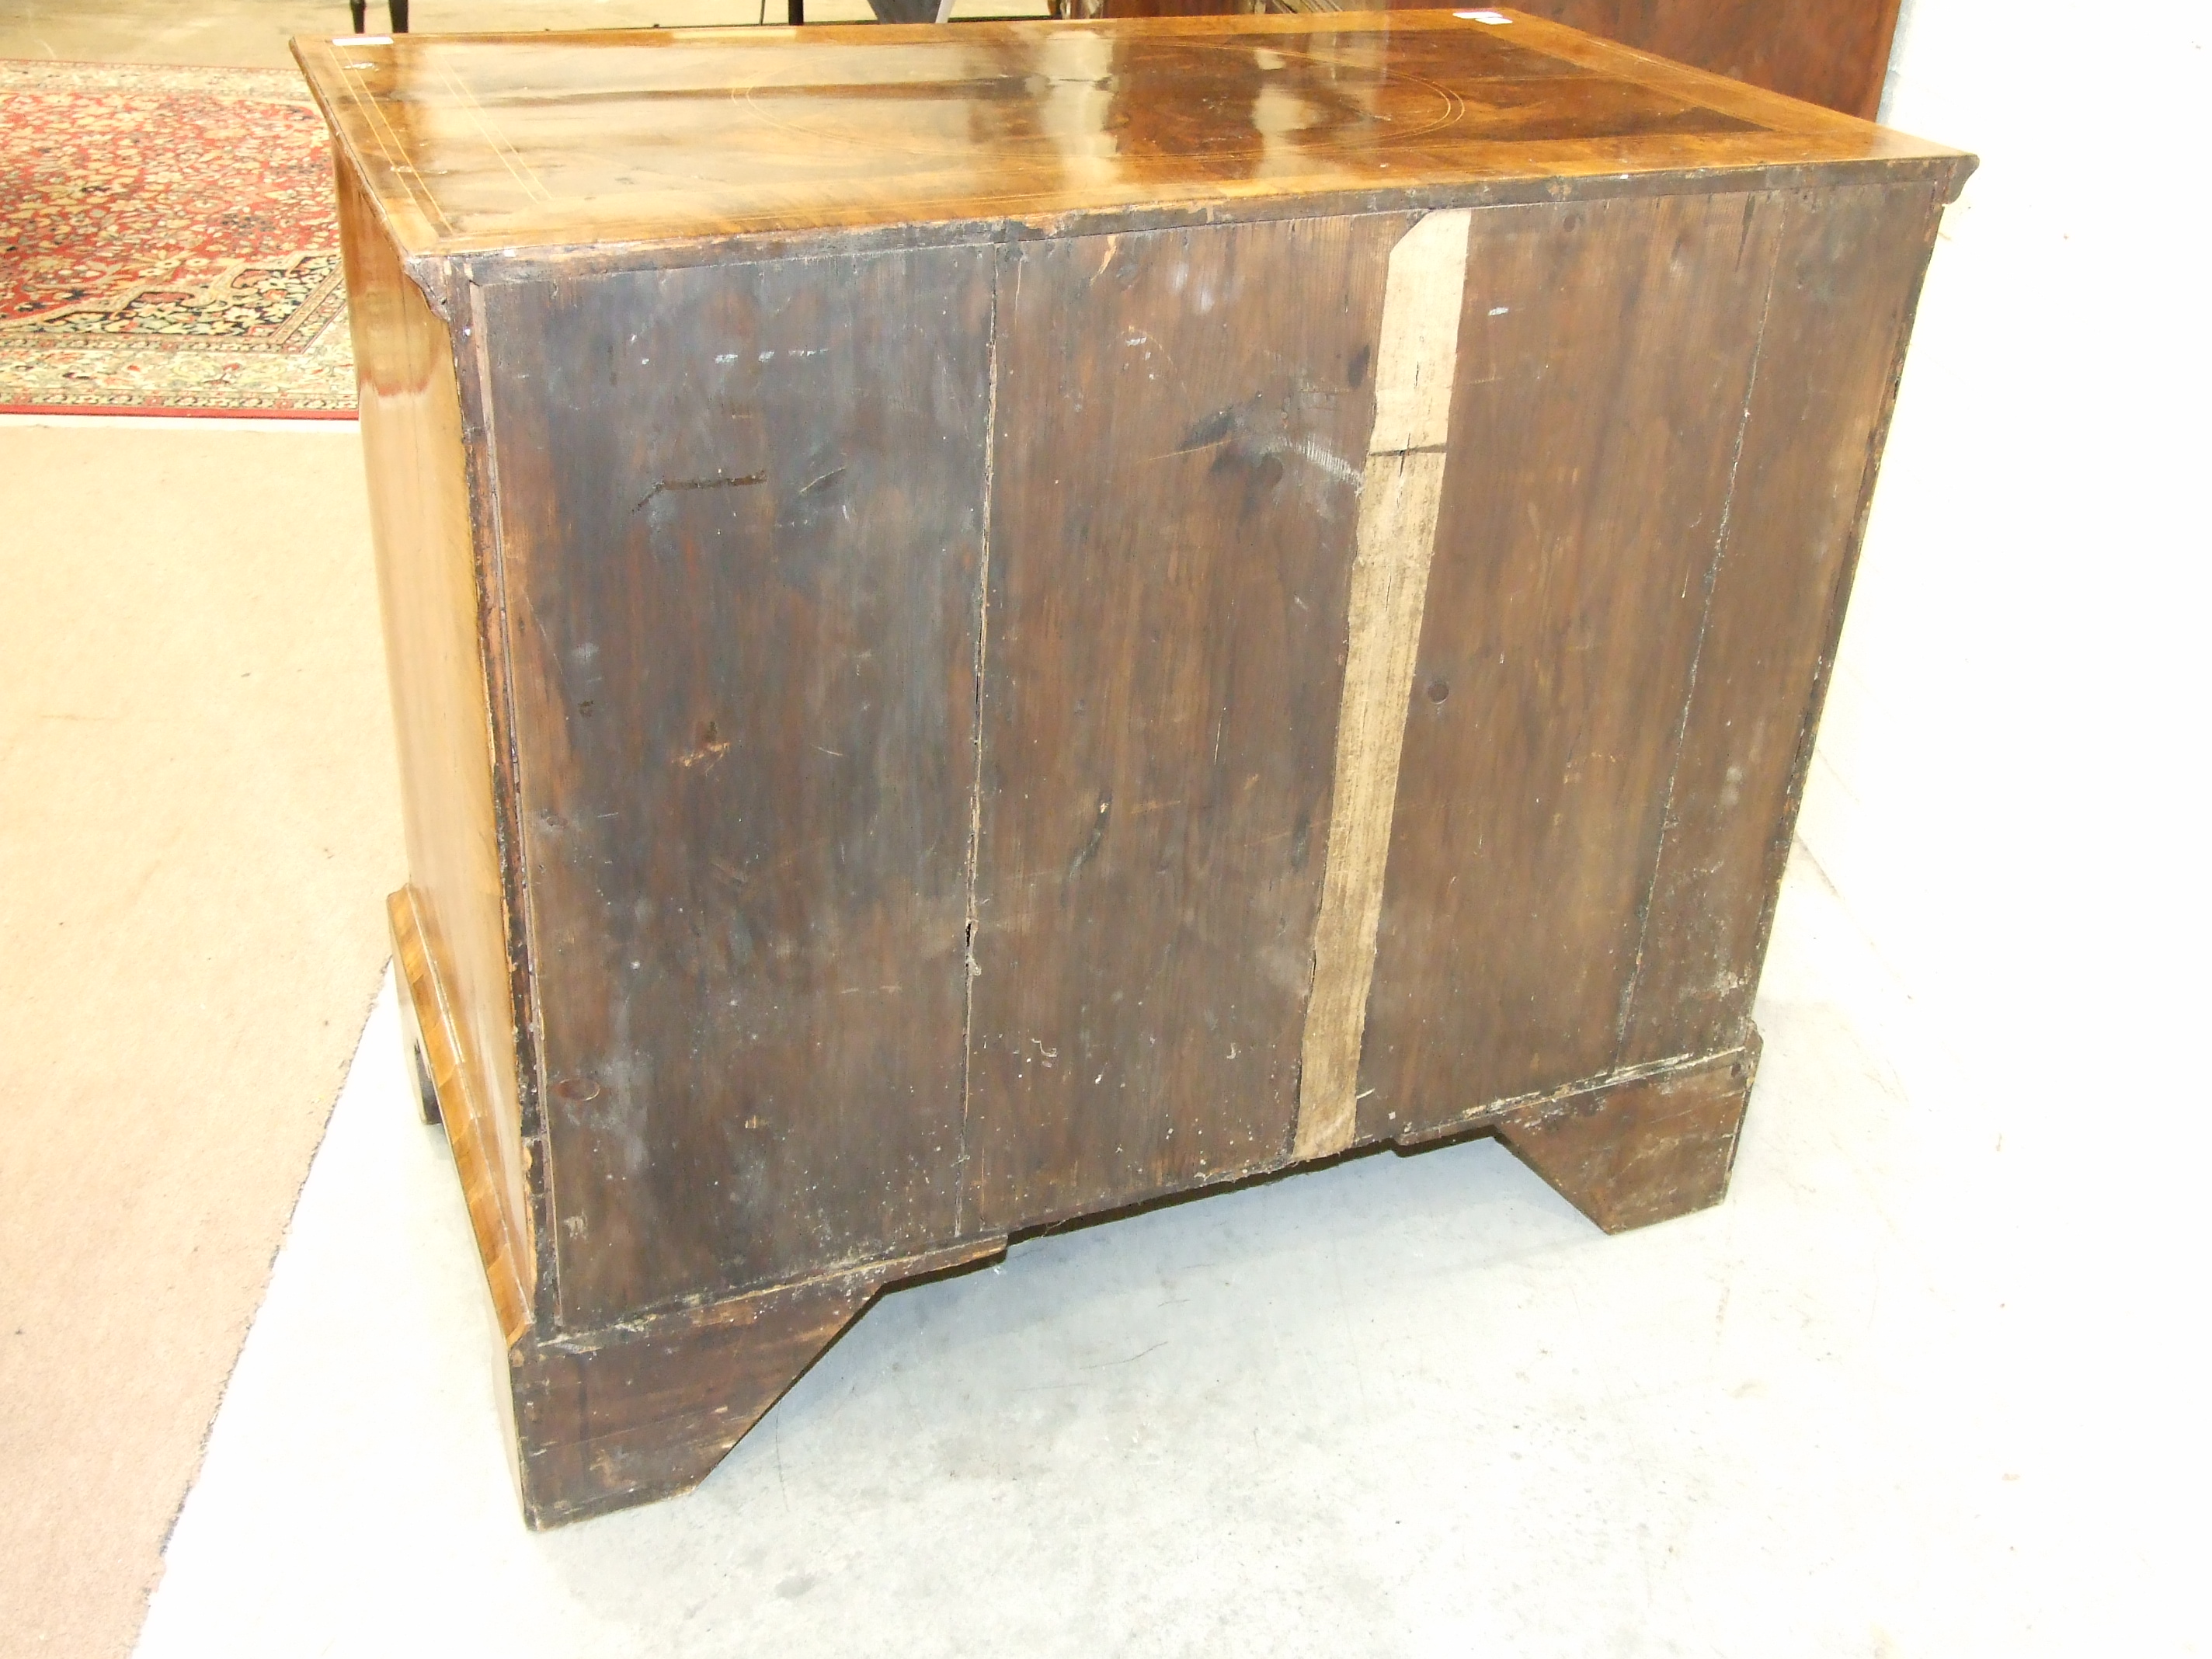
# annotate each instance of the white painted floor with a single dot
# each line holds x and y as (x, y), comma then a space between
(1932, 1381)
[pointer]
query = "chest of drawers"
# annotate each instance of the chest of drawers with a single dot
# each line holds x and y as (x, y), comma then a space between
(989, 624)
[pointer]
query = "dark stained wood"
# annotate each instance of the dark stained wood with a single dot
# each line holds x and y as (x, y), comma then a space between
(1844, 289)
(681, 136)
(647, 1410)
(742, 510)
(1171, 537)
(649, 1415)
(1643, 1151)
(989, 626)
(434, 639)
(1831, 53)
(1604, 357)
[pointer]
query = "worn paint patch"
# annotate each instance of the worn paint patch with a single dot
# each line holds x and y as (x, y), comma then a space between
(1415, 363)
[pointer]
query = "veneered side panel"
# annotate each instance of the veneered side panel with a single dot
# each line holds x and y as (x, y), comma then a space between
(412, 434)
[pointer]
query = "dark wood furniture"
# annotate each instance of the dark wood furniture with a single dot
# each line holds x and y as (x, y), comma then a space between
(1831, 53)
(990, 627)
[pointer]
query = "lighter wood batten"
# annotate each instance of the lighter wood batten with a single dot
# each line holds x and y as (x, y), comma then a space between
(1404, 482)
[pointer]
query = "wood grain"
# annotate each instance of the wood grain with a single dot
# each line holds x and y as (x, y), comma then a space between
(647, 1410)
(1846, 283)
(437, 630)
(433, 1043)
(1603, 366)
(1646, 1150)
(1831, 53)
(742, 515)
(1414, 362)
(609, 148)
(995, 625)
(1174, 512)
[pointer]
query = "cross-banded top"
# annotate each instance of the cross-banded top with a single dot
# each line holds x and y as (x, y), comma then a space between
(601, 147)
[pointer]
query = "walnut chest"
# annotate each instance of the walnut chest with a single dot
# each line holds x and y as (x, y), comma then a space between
(993, 622)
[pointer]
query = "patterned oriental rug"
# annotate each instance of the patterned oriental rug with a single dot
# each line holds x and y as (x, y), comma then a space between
(168, 245)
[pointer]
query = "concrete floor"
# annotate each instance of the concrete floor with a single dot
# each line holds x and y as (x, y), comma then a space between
(1930, 1383)
(1410, 1405)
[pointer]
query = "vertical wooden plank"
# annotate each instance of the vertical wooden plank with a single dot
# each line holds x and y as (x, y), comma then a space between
(416, 450)
(1182, 422)
(1844, 289)
(742, 508)
(1422, 303)
(1603, 364)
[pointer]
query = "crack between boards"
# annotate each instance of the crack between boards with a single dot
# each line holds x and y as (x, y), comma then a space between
(970, 970)
(1697, 656)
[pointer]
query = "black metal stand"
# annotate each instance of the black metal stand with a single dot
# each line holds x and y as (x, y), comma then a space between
(398, 8)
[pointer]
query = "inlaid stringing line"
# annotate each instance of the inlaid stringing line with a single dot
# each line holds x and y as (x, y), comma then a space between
(1404, 483)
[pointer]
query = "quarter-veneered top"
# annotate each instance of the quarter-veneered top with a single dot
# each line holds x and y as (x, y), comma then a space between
(538, 143)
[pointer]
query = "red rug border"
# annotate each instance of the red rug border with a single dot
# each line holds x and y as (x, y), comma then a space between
(112, 410)
(307, 97)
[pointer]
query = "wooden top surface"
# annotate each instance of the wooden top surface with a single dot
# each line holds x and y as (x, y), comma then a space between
(610, 146)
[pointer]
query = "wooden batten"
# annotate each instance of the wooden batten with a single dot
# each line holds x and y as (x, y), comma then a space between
(1416, 362)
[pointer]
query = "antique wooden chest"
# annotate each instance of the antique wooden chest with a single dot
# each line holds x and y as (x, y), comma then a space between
(993, 624)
